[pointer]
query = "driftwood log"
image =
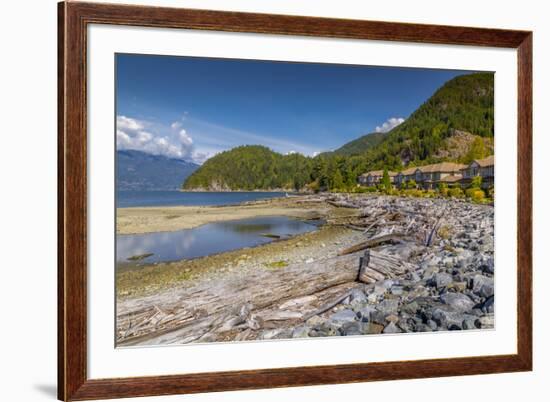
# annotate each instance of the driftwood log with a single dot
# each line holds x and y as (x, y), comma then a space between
(375, 241)
(239, 305)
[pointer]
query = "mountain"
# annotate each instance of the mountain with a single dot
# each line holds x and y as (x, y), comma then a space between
(138, 170)
(360, 145)
(454, 124)
(464, 103)
(251, 167)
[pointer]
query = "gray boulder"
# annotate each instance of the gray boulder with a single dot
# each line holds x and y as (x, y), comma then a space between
(388, 306)
(365, 312)
(483, 285)
(447, 318)
(489, 305)
(343, 316)
(458, 301)
(469, 323)
(301, 332)
(486, 322)
(441, 280)
(357, 296)
(353, 328)
(391, 328)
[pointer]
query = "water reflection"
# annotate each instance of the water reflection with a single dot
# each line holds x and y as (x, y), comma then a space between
(209, 239)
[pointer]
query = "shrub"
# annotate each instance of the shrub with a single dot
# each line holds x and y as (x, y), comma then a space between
(413, 193)
(476, 182)
(411, 184)
(456, 192)
(314, 186)
(392, 191)
(429, 193)
(475, 194)
(443, 189)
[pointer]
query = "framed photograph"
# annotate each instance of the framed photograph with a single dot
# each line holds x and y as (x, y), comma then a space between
(252, 201)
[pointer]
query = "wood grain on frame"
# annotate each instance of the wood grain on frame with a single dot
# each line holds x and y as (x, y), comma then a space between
(73, 383)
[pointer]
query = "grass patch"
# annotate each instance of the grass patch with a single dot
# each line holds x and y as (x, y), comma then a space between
(277, 264)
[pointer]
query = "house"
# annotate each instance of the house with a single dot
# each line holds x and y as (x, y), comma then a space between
(480, 167)
(374, 177)
(363, 179)
(429, 176)
(404, 176)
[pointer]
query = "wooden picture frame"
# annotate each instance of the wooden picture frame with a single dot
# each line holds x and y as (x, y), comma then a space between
(73, 382)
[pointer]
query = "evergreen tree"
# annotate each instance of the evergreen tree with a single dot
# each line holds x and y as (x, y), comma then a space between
(337, 180)
(386, 182)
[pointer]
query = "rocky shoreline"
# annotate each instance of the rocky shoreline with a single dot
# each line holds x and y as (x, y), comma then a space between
(443, 278)
(451, 289)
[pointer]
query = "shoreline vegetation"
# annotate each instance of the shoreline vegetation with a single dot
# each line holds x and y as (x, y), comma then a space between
(380, 264)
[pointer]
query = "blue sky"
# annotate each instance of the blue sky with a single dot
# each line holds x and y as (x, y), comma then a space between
(193, 108)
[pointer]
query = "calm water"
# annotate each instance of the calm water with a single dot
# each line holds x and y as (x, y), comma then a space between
(171, 198)
(209, 239)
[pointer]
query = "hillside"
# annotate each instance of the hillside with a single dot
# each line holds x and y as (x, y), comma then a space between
(251, 167)
(359, 145)
(141, 171)
(464, 103)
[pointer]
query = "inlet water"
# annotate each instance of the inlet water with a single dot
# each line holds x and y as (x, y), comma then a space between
(209, 239)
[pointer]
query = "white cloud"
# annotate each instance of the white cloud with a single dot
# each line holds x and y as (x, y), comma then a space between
(314, 154)
(143, 136)
(389, 124)
(175, 125)
(126, 123)
(185, 139)
(201, 157)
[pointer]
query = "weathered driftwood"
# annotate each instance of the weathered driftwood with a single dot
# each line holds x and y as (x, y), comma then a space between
(375, 241)
(209, 311)
(341, 204)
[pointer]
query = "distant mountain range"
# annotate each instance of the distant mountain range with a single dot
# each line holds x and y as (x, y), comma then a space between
(138, 170)
(455, 124)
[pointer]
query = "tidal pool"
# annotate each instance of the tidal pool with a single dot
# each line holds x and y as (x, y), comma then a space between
(208, 239)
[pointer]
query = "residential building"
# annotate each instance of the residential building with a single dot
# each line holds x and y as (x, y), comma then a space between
(429, 176)
(374, 178)
(480, 167)
(404, 176)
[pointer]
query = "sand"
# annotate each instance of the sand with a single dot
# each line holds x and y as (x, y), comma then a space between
(167, 219)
